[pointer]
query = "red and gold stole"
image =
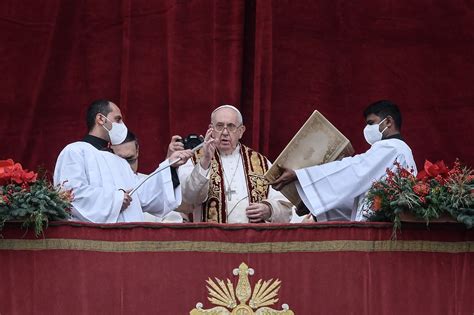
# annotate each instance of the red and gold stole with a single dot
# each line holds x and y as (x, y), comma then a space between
(255, 165)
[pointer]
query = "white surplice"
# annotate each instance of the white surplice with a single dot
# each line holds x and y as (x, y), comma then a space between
(96, 178)
(170, 217)
(336, 190)
(195, 186)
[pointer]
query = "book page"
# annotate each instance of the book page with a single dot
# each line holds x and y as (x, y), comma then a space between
(317, 142)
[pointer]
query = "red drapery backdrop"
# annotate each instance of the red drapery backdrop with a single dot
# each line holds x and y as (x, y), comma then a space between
(162, 269)
(168, 63)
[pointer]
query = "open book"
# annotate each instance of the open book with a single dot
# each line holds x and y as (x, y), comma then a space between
(317, 142)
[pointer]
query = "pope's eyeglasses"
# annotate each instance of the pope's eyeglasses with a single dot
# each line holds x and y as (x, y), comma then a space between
(230, 127)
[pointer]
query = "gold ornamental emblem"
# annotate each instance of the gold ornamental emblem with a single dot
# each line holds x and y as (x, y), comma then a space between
(225, 297)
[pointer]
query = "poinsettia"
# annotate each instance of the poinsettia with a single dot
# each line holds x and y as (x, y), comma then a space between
(11, 172)
(24, 197)
(433, 170)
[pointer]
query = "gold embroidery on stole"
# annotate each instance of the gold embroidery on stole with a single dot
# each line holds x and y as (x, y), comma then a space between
(255, 165)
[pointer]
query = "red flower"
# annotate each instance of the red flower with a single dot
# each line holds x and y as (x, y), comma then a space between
(431, 170)
(25, 186)
(456, 170)
(5, 163)
(421, 189)
(29, 177)
(5, 166)
(6, 200)
(404, 173)
(11, 172)
(377, 203)
(470, 178)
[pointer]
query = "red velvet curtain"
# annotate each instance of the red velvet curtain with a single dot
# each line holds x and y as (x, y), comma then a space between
(168, 63)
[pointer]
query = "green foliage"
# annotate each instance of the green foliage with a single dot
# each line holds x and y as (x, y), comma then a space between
(35, 204)
(436, 190)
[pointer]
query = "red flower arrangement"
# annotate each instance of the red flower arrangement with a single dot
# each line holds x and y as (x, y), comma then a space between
(11, 172)
(24, 197)
(436, 190)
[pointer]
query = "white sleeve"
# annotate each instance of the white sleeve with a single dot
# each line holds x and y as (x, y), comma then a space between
(195, 182)
(337, 184)
(91, 203)
(157, 195)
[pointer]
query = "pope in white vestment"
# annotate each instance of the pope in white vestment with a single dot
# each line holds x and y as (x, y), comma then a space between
(195, 189)
(225, 182)
(98, 180)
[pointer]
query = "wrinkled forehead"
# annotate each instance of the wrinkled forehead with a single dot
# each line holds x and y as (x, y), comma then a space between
(226, 115)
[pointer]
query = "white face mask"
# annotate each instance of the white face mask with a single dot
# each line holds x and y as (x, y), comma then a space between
(117, 133)
(372, 133)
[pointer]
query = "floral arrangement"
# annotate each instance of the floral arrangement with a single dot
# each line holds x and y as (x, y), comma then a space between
(436, 191)
(24, 197)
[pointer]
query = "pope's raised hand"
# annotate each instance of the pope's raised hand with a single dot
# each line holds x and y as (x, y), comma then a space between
(208, 149)
(176, 144)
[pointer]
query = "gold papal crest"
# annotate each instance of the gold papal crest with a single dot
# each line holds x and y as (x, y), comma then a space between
(223, 294)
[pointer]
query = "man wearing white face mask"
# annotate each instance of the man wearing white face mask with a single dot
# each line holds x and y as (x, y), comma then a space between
(336, 190)
(101, 181)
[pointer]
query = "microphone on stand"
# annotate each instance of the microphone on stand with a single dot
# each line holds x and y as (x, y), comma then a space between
(162, 168)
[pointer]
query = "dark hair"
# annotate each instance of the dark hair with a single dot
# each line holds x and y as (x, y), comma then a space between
(383, 109)
(130, 137)
(99, 106)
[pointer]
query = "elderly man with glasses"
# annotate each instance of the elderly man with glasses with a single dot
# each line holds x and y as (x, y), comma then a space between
(224, 181)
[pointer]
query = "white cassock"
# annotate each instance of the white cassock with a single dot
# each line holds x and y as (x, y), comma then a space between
(336, 190)
(170, 217)
(195, 186)
(96, 178)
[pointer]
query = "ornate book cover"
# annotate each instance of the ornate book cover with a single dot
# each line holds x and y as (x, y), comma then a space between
(317, 142)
